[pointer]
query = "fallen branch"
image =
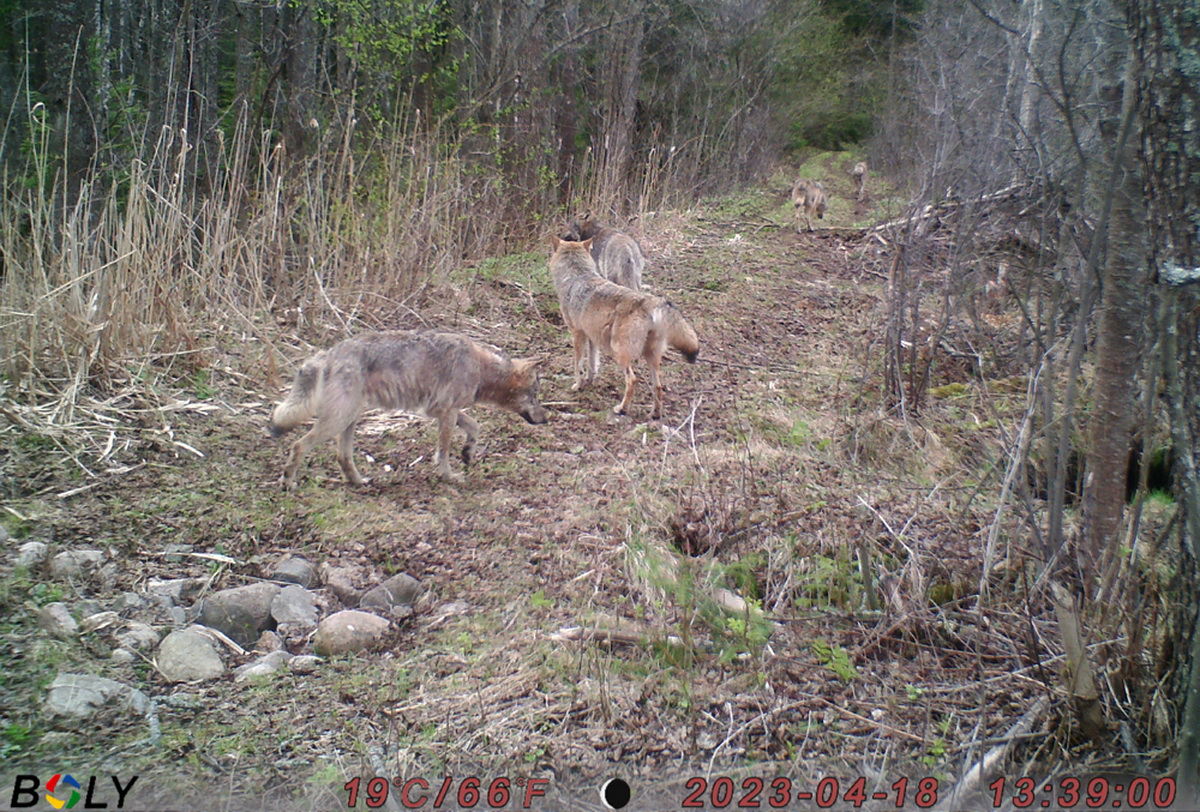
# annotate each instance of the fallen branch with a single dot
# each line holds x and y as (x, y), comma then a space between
(970, 783)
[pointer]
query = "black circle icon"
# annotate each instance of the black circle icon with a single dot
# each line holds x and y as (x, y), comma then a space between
(615, 793)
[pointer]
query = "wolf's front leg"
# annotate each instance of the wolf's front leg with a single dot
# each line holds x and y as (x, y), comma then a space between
(446, 423)
(345, 457)
(630, 381)
(468, 425)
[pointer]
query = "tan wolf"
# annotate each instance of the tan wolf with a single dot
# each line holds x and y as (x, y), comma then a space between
(859, 176)
(625, 324)
(427, 372)
(618, 256)
(808, 196)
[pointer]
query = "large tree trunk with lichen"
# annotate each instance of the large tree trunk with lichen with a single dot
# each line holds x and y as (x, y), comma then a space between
(1167, 40)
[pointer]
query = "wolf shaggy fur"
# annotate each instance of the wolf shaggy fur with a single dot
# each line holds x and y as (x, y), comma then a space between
(427, 372)
(859, 175)
(625, 324)
(808, 196)
(618, 256)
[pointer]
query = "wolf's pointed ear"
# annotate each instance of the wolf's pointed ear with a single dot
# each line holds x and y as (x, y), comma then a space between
(523, 365)
(554, 242)
(587, 244)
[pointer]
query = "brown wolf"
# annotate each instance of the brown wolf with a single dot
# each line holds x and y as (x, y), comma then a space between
(433, 373)
(626, 324)
(859, 175)
(808, 196)
(618, 256)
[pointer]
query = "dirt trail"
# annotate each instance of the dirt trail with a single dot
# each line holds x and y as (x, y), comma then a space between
(766, 476)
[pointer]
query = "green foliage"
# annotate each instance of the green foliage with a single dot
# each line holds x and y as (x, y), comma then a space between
(828, 582)
(937, 752)
(42, 594)
(742, 574)
(823, 86)
(875, 17)
(836, 659)
(399, 43)
(200, 383)
(13, 739)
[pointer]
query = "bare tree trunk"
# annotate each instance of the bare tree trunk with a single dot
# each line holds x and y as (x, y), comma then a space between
(1167, 40)
(1118, 340)
(299, 76)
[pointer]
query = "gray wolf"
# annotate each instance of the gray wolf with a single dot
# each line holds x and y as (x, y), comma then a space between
(427, 372)
(808, 196)
(859, 175)
(618, 256)
(618, 259)
(625, 324)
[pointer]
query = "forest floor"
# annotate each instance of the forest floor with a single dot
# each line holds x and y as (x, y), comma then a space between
(775, 473)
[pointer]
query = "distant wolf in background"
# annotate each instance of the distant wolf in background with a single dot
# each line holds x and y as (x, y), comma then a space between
(625, 324)
(618, 256)
(425, 372)
(859, 175)
(808, 196)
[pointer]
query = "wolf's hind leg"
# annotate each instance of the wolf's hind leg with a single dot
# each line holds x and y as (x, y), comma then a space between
(581, 342)
(468, 425)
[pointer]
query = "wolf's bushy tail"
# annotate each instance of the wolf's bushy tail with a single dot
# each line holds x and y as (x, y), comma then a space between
(300, 404)
(679, 333)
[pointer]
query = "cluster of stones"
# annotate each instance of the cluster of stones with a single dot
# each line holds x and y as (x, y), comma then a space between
(298, 615)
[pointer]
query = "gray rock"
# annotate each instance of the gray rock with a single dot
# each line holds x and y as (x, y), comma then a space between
(81, 696)
(305, 663)
(178, 616)
(349, 631)
(107, 575)
(178, 590)
(76, 563)
(130, 602)
(183, 700)
(99, 621)
(87, 608)
(268, 641)
(399, 590)
(294, 605)
(451, 609)
(188, 656)
(122, 656)
(138, 636)
(295, 570)
(32, 554)
(242, 613)
(345, 582)
(261, 667)
(56, 619)
(3, 534)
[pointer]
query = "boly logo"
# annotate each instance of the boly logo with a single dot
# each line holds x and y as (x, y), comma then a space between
(64, 792)
(67, 781)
